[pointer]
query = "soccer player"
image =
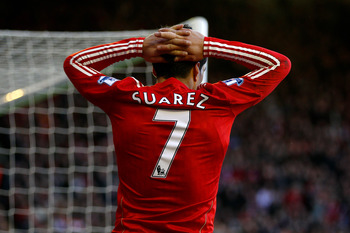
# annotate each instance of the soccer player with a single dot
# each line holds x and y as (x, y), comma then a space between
(171, 138)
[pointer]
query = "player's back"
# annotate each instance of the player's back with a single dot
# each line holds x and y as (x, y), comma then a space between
(170, 140)
(170, 144)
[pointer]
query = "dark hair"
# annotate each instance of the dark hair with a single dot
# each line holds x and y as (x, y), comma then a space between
(176, 69)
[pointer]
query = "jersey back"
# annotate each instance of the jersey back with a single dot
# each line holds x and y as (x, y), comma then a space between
(170, 141)
(170, 146)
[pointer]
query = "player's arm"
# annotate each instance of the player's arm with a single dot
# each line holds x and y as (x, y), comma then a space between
(257, 59)
(89, 62)
(267, 69)
(84, 67)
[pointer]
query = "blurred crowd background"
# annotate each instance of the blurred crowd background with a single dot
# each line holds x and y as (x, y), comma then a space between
(286, 169)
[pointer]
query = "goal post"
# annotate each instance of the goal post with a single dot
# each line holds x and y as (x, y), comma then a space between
(57, 161)
(31, 61)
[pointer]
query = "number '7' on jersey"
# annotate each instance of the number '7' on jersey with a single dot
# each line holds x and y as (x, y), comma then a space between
(182, 120)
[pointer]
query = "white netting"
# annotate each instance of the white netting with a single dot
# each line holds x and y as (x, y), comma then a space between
(57, 163)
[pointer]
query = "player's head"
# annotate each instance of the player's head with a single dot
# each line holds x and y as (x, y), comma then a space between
(177, 69)
(180, 69)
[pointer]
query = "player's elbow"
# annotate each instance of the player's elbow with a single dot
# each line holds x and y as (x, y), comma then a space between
(66, 62)
(285, 65)
(67, 66)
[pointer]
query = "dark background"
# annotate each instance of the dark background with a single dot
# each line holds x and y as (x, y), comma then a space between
(296, 142)
(312, 33)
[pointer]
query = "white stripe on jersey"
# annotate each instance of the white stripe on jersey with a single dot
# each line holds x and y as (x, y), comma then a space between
(237, 58)
(251, 56)
(113, 50)
(250, 74)
(138, 83)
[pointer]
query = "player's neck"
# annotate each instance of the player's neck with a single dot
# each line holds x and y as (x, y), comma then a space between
(187, 81)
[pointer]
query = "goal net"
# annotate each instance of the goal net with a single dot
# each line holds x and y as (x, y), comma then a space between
(57, 161)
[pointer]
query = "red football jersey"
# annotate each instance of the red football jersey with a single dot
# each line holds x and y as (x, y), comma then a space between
(170, 140)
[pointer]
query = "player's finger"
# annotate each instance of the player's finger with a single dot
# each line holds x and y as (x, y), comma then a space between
(181, 32)
(170, 38)
(170, 47)
(177, 26)
(180, 42)
(166, 35)
(185, 58)
(170, 34)
(179, 53)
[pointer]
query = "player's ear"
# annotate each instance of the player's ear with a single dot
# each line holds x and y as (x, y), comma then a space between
(196, 72)
(154, 73)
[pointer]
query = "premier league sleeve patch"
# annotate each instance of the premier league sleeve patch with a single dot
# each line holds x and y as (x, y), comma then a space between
(237, 81)
(107, 80)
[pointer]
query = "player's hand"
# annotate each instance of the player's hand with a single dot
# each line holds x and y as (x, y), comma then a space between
(194, 51)
(171, 40)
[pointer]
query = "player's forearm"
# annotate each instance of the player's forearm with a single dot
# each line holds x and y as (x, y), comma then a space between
(255, 58)
(92, 60)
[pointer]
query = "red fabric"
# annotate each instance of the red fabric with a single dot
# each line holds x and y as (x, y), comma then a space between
(194, 134)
